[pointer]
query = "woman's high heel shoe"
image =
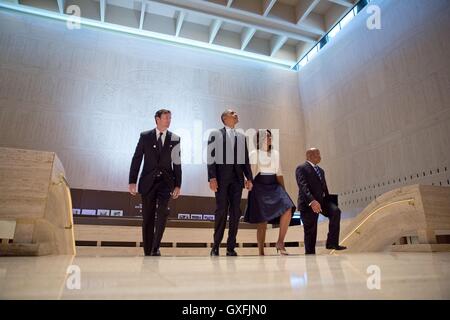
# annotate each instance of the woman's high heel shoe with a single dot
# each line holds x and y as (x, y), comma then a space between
(282, 251)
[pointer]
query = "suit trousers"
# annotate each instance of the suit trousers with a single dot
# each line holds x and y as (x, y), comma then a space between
(309, 219)
(155, 212)
(228, 201)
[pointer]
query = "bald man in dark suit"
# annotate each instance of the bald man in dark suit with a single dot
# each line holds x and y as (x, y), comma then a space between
(314, 199)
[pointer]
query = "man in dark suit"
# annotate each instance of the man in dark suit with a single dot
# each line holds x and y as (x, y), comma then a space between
(313, 199)
(160, 178)
(228, 163)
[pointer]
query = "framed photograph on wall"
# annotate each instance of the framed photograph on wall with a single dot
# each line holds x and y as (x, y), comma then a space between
(89, 212)
(196, 217)
(103, 212)
(116, 213)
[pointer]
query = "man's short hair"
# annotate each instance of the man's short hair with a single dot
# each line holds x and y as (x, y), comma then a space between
(160, 112)
(224, 114)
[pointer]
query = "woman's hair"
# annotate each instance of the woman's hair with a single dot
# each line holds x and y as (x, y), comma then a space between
(261, 136)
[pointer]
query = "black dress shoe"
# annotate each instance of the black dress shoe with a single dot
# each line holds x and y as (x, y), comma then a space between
(336, 247)
(156, 253)
(214, 252)
(231, 253)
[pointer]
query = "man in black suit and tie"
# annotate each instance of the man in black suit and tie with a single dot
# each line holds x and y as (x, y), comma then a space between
(228, 163)
(313, 199)
(160, 178)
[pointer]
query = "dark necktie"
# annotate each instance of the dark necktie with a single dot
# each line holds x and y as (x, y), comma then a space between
(316, 168)
(322, 182)
(232, 138)
(159, 142)
(235, 149)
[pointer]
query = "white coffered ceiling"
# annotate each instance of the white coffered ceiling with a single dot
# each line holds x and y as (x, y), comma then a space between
(274, 31)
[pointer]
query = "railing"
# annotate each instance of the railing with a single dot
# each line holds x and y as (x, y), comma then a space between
(410, 202)
(63, 181)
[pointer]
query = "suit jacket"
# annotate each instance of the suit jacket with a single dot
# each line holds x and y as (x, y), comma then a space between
(310, 187)
(165, 161)
(225, 162)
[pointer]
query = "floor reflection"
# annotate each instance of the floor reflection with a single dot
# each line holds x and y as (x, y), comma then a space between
(345, 276)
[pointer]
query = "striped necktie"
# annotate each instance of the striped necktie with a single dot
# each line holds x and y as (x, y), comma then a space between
(316, 168)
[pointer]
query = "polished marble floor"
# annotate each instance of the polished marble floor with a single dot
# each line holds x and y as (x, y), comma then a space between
(344, 276)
